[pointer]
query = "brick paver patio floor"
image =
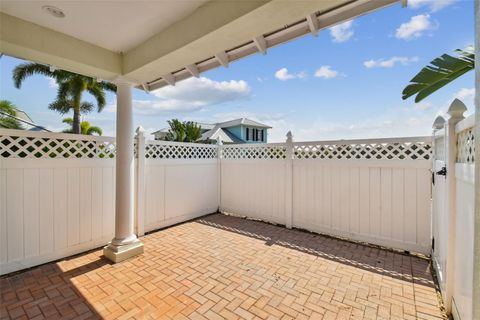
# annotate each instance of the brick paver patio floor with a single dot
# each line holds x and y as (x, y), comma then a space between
(222, 267)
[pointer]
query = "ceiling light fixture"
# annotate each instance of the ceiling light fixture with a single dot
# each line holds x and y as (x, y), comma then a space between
(54, 11)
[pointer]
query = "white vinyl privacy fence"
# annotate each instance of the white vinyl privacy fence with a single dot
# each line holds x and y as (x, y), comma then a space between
(57, 190)
(453, 209)
(376, 191)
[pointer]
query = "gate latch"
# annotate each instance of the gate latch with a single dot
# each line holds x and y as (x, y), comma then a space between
(442, 172)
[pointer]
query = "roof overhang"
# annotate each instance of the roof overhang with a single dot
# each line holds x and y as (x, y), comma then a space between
(214, 34)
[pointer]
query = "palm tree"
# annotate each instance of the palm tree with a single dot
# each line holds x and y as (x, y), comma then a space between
(439, 73)
(71, 87)
(8, 112)
(85, 127)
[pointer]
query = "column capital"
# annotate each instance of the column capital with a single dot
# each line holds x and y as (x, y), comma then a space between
(122, 81)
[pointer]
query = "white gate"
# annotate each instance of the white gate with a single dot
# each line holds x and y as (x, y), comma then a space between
(439, 209)
(453, 209)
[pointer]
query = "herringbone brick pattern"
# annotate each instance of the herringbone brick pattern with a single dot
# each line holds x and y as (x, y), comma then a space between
(221, 267)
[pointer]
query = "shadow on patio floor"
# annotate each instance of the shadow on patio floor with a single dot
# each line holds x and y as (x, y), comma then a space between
(370, 258)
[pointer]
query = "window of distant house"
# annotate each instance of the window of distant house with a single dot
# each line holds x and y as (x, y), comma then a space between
(252, 134)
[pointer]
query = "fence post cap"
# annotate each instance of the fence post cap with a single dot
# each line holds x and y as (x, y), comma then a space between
(439, 123)
(289, 135)
(457, 109)
(219, 141)
(140, 130)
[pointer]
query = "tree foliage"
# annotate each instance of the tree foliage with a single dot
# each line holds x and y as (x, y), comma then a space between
(7, 113)
(85, 127)
(187, 131)
(440, 72)
(71, 87)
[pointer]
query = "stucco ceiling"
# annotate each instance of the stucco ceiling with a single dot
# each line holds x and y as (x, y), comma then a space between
(114, 25)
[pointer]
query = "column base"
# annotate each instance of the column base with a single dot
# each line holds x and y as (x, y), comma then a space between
(119, 253)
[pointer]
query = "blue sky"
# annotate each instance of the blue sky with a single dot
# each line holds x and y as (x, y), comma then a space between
(344, 83)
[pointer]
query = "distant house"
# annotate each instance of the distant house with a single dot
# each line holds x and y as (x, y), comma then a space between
(241, 130)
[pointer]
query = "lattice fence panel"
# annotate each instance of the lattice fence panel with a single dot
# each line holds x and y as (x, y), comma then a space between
(466, 146)
(372, 151)
(270, 152)
(40, 147)
(187, 151)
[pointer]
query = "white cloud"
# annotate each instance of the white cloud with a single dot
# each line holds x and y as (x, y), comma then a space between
(382, 63)
(342, 32)
(433, 5)
(423, 105)
(284, 75)
(52, 83)
(192, 94)
(326, 72)
(415, 27)
(467, 96)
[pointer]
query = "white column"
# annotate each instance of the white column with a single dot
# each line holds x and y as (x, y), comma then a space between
(125, 243)
(476, 237)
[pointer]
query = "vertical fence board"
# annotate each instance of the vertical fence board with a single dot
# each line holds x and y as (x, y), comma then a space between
(410, 228)
(336, 198)
(46, 211)
(97, 203)
(345, 199)
(85, 204)
(30, 212)
(60, 208)
(354, 200)
(364, 200)
(375, 205)
(3, 216)
(423, 206)
(108, 201)
(15, 236)
(73, 203)
(327, 197)
(398, 204)
(386, 203)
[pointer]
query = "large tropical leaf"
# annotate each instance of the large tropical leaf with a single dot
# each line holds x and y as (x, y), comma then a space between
(439, 73)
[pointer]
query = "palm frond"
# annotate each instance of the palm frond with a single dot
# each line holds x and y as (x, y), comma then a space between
(440, 72)
(68, 121)
(108, 86)
(86, 107)
(62, 106)
(94, 129)
(24, 70)
(8, 107)
(97, 92)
